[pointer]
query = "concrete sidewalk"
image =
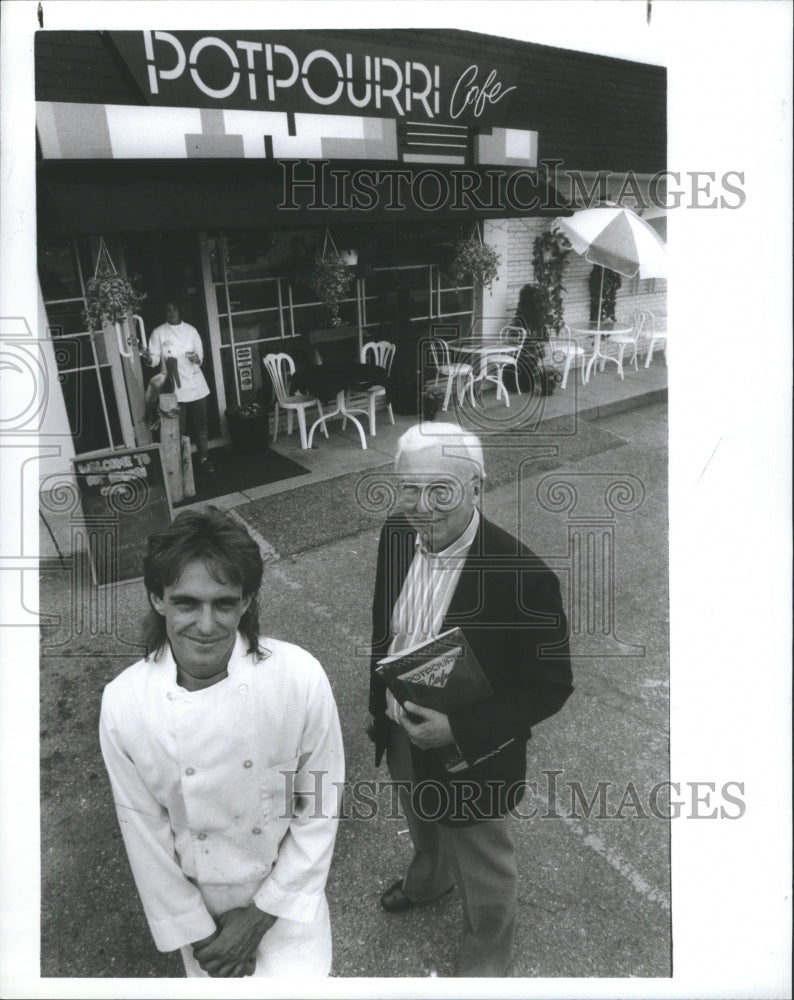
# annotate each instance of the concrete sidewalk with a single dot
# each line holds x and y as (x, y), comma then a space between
(341, 453)
(604, 395)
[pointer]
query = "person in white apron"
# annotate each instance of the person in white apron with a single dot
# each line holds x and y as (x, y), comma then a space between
(176, 348)
(225, 757)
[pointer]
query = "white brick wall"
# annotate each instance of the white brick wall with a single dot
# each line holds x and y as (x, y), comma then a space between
(576, 298)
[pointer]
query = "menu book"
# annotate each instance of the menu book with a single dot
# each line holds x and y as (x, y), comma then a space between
(442, 674)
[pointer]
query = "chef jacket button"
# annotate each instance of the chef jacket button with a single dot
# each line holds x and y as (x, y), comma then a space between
(202, 836)
(170, 695)
(242, 688)
(248, 763)
(256, 830)
(190, 770)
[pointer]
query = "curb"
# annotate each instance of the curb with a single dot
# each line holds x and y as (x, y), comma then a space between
(622, 405)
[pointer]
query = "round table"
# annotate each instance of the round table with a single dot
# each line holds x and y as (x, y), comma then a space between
(481, 349)
(324, 381)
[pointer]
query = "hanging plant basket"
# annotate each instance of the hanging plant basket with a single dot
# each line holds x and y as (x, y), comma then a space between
(331, 278)
(350, 257)
(110, 297)
(475, 259)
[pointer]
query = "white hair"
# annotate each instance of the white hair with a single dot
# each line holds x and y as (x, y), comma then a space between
(450, 438)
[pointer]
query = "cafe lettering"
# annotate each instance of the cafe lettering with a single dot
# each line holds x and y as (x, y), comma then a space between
(248, 72)
(224, 167)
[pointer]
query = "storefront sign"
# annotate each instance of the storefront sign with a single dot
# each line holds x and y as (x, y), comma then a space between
(125, 499)
(292, 72)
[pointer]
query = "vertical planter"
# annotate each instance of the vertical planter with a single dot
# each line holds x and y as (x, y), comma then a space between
(248, 433)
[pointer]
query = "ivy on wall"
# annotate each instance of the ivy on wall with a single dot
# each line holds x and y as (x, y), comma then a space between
(550, 253)
(607, 292)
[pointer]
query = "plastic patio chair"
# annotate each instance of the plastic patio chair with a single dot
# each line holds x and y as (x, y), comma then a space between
(657, 335)
(564, 349)
(624, 341)
(382, 352)
(280, 368)
(513, 338)
(455, 371)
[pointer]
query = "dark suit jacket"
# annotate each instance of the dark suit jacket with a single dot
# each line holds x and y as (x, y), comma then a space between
(508, 604)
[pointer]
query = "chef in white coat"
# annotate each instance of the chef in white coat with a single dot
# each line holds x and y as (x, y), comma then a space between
(178, 342)
(225, 757)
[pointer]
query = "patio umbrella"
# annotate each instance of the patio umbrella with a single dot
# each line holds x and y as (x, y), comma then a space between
(656, 218)
(618, 239)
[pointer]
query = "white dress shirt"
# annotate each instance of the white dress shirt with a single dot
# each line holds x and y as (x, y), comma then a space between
(178, 341)
(426, 595)
(203, 783)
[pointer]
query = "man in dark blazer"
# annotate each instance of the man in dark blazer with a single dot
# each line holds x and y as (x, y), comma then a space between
(441, 564)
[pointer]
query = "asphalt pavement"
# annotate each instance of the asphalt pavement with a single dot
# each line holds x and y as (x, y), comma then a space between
(593, 843)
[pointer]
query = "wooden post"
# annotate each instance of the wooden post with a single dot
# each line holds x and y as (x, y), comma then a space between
(188, 483)
(133, 376)
(171, 445)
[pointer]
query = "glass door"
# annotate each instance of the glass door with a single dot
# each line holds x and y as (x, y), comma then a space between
(168, 265)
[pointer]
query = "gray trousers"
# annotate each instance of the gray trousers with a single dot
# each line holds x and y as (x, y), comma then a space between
(193, 418)
(480, 859)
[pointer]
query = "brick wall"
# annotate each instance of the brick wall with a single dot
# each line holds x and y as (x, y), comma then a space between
(521, 235)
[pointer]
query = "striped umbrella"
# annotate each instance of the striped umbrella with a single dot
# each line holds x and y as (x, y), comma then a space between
(616, 238)
(656, 218)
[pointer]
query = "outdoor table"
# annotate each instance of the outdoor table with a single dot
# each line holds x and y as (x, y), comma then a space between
(595, 331)
(476, 347)
(325, 381)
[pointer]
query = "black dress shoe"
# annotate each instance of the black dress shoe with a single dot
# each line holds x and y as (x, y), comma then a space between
(394, 899)
(207, 467)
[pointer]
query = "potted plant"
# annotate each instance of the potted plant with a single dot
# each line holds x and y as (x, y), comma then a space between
(540, 306)
(248, 426)
(475, 259)
(535, 373)
(331, 278)
(432, 400)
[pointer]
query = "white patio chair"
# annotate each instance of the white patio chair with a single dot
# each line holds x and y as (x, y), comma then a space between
(382, 355)
(280, 368)
(657, 335)
(624, 341)
(565, 350)
(459, 372)
(494, 365)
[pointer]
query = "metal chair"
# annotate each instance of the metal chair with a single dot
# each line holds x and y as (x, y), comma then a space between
(455, 371)
(565, 349)
(382, 355)
(512, 338)
(656, 337)
(280, 368)
(624, 341)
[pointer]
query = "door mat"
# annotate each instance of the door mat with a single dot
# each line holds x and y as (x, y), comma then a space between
(236, 472)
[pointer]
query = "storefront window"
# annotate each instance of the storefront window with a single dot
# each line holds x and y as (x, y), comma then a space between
(81, 357)
(261, 283)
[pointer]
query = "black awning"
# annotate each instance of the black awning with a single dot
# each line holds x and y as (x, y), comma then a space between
(117, 196)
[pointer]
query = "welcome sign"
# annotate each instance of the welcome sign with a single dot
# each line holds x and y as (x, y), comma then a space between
(302, 72)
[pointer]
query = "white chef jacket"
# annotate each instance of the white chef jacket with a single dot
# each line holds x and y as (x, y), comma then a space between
(203, 783)
(178, 341)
